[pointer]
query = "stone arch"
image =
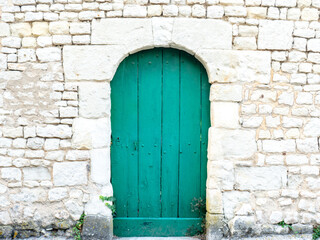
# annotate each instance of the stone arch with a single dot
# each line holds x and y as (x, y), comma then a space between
(92, 67)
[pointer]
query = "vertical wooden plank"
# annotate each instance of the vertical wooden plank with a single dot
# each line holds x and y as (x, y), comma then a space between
(189, 172)
(150, 78)
(124, 157)
(205, 124)
(170, 133)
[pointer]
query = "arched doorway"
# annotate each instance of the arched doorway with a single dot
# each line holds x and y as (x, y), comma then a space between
(159, 120)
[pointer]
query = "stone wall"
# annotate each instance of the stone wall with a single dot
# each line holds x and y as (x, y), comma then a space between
(263, 61)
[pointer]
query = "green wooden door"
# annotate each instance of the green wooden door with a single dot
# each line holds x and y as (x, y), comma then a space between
(160, 120)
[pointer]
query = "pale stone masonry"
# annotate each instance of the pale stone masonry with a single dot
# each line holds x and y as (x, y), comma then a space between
(57, 58)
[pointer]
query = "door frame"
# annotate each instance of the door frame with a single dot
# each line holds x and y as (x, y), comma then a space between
(93, 66)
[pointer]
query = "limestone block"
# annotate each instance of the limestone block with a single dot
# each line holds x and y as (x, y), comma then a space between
(3, 62)
(310, 14)
(49, 54)
(44, 41)
(97, 227)
(12, 42)
(245, 43)
(68, 112)
(225, 114)
(296, 159)
(29, 42)
(74, 208)
(35, 143)
(5, 142)
(260, 178)
(36, 174)
(95, 206)
(304, 98)
(4, 202)
(5, 218)
(11, 174)
(235, 11)
(40, 28)
(100, 166)
(233, 200)
(154, 10)
(58, 28)
(307, 145)
(312, 128)
(80, 28)
(57, 194)
(58, 131)
(170, 10)
(94, 100)
(185, 11)
(307, 205)
(315, 159)
(135, 34)
(316, 3)
(5, 161)
(76, 155)
(275, 160)
(29, 132)
(131, 10)
(289, 122)
(21, 162)
(70, 174)
(221, 175)
(162, 31)
(215, 11)
(55, 155)
(286, 3)
(309, 170)
(12, 132)
(214, 201)
(231, 144)
(232, 66)
(26, 55)
(33, 16)
(314, 45)
(61, 39)
(4, 29)
(91, 62)
(276, 35)
(242, 226)
(193, 34)
(275, 146)
(91, 133)
(251, 122)
(286, 98)
(3, 188)
(21, 29)
(226, 92)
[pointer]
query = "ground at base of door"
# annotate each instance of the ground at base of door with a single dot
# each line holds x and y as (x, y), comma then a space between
(271, 237)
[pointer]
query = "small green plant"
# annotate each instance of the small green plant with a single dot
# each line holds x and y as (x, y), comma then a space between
(78, 227)
(198, 205)
(111, 206)
(316, 233)
(284, 225)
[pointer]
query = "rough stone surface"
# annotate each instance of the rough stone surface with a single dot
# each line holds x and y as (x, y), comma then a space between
(69, 174)
(275, 35)
(231, 144)
(96, 227)
(234, 66)
(260, 178)
(92, 63)
(183, 29)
